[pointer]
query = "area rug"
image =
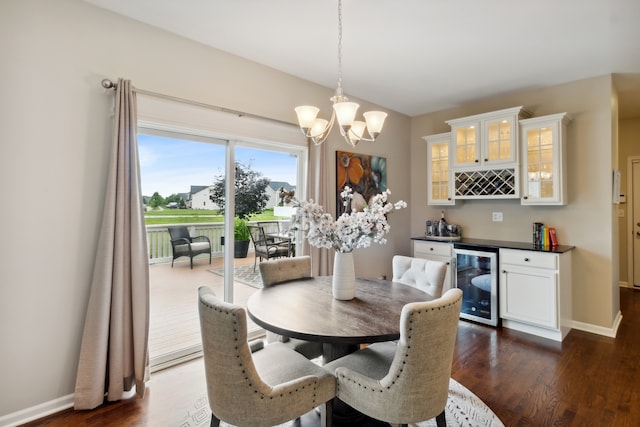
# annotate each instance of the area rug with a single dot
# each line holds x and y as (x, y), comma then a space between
(243, 274)
(464, 409)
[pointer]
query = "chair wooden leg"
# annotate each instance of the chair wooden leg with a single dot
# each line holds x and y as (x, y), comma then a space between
(441, 420)
(215, 422)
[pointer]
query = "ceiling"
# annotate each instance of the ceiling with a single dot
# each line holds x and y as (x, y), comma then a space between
(418, 56)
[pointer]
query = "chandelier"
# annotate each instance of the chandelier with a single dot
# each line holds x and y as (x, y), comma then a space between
(344, 112)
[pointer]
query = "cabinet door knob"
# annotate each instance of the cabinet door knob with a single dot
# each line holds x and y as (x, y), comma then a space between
(477, 161)
(525, 197)
(504, 271)
(448, 263)
(486, 160)
(527, 260)
(430, 249)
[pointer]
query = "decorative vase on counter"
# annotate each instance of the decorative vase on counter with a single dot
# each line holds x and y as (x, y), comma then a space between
(344, 276)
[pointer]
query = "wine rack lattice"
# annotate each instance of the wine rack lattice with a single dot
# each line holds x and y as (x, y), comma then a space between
(486, 183)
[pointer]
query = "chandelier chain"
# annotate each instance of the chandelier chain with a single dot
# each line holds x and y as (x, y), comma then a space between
(340, 46)
(343, 112)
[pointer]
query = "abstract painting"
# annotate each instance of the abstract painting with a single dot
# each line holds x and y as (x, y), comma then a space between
(365, 175)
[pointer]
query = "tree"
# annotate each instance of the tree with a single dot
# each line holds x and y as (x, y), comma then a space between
(250, 194)
(176, 198)
(156, 200)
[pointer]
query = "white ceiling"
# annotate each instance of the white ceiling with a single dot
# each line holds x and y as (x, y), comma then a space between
(418, 56)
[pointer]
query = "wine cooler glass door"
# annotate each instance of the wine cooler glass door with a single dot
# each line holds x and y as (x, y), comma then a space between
(477, 277)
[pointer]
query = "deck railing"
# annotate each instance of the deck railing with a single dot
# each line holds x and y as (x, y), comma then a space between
(159, 242)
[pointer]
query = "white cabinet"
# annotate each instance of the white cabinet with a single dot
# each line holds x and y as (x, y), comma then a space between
(486, 140)
(502, 154)
(439, 182)
(436, 251)
(535, 292)
(544, 160)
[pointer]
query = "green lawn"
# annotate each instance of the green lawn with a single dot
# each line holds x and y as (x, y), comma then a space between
(182, 216)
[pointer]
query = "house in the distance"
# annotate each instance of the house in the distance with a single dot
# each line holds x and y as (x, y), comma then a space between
(199, 198)
(273, 189)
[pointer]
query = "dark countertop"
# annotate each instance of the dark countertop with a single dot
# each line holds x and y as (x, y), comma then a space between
(466, 241)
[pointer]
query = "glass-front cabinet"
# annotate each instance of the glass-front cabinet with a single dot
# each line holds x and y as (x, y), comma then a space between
(544, 160)
(500, 143)
(439, 183)
(466, 144)
(486, 140)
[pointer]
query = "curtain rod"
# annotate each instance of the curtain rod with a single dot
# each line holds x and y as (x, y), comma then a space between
(108, 84)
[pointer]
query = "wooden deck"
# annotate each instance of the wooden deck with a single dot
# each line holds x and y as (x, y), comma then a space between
(173, 322)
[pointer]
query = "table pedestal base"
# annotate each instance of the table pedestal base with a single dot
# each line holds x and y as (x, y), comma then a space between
(332, 351)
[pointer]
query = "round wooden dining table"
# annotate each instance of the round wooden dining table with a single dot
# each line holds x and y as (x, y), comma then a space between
(306, 309)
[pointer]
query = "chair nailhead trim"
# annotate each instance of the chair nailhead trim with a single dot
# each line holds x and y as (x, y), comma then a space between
(315, 384)
(406, 355)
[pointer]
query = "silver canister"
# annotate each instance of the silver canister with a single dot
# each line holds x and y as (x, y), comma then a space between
(429, 228)
(454, 230)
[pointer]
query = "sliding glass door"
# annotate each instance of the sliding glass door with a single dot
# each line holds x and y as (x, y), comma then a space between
(180, 175)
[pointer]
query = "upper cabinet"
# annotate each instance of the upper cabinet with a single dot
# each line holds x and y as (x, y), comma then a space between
(503, 154)
(486, 140)
(439, 183)
(544, 160)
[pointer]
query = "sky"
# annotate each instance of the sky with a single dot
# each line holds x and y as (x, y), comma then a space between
(170, 166)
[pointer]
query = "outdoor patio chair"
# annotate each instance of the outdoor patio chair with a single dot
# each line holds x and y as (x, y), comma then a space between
(182, 244)
(267, 248)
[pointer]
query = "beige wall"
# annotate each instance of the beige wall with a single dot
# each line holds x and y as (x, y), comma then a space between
(629, 135)
(55, 151)
(54, 156)
(585, 222)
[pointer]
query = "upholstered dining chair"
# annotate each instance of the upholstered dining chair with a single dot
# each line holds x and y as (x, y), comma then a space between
(282, 270)
(182, 244)
(408, 382)
(266, 248)
(426, 275)
(269, 387)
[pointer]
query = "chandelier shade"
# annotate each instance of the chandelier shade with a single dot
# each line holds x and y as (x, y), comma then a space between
(306, 116)
(343, 111)
(345, 114)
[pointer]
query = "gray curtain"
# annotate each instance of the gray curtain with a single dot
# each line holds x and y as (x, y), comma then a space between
(114, 354)
(318, 190)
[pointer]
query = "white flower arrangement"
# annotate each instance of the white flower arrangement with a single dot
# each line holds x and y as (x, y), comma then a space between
(351, 230)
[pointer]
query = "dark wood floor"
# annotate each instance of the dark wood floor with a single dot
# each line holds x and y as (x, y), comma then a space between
(587, 380)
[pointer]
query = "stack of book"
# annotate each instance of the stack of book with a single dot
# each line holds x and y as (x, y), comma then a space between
(544, 237)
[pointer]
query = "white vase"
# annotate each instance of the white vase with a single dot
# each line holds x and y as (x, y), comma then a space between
(344, 276)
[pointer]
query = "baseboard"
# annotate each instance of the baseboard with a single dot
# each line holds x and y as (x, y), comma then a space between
(37, 412)
(624, 285)
(47, 408)
(600, 330)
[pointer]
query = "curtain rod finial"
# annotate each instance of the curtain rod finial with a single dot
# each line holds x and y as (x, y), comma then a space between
(108, 84)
